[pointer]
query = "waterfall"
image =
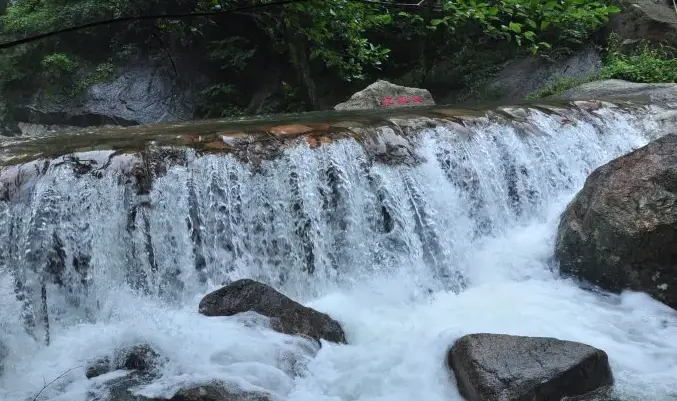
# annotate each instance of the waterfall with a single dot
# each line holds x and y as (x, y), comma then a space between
(406, 257)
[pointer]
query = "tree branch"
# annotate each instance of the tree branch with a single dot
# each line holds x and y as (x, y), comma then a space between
(57, 378)
(169, 55)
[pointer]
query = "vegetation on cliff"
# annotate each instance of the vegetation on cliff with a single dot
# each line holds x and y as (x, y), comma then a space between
(311, 52)
(644, 64)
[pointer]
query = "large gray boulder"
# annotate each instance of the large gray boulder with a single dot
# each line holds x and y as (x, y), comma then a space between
(620, 231)
(618, 88)
(645, 20)
(286, 316)
(498, 367)
(525, 76)
(142, 93)
(383, 94)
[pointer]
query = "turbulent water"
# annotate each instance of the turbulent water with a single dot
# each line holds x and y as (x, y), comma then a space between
(406, 258)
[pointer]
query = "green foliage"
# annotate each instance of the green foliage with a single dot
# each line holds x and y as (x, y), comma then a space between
(333, 41)
(12, 68)
(217, 101)
(335, 33)
(100, 73)
(645, 65)
(232, 53)
(57, 65)
(529, 23)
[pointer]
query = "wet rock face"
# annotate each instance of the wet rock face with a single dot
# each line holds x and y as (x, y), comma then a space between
(498, 367)
(383, 94)
(620, 230)
(287, 316)
(142, 93)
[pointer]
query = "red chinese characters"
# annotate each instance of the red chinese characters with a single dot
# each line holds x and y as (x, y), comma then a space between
(387, 101)
(401, 100)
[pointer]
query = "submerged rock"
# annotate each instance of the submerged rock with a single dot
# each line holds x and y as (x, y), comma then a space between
(387, 147)
(498, 367)
(4, 352)
(287, 316)
(215, 392)
(383, 94)
(142, 358)
(620, 230)
(120, 388)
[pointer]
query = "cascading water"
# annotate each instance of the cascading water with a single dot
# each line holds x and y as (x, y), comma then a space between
(407, 258)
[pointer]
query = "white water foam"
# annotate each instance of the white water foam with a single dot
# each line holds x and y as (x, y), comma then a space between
(480, 213)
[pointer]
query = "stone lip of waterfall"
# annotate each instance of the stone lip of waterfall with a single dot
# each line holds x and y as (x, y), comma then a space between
(407, 260)
(144, 153)
(223, 136)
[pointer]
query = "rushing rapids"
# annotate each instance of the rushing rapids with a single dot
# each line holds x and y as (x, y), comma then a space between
(406, 256)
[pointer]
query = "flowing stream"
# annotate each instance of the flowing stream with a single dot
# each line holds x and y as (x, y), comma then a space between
(406, 258)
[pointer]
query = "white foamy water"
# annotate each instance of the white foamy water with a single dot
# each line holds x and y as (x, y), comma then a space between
(407, 259)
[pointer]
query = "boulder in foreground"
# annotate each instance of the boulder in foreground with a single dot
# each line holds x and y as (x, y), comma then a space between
(287, 316)
(383, 94)
(620, 231)
(498, 367)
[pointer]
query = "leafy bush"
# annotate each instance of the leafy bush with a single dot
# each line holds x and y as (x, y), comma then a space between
(101, 73)
(57, 65)
(530, 23)
(645, 65)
